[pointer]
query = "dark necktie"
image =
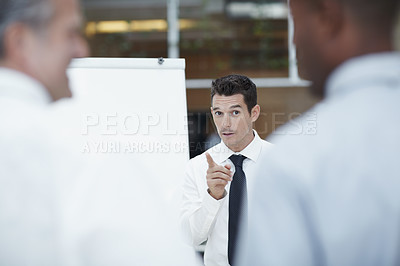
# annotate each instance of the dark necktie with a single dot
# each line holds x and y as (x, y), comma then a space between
(237, 204)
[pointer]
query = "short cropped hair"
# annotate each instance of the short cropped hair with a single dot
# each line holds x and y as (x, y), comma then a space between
(35, 13)
(236, 84)
(377, 15)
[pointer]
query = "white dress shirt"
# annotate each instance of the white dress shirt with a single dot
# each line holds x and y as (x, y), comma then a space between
(32, 159)
(205, 218)
(58, 207)
(332, 197)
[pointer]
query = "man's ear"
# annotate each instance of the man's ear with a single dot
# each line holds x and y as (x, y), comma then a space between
(332, 18)
(255, 113)
(15, 39)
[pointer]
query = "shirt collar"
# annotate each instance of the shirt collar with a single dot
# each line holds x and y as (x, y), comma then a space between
(252, 151)
(364, 70)
(17, 85)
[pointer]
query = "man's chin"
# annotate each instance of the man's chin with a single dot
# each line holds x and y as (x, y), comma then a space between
(66, 89)
(61, 92)
(228, 142)
(68, 94)
(227, 139)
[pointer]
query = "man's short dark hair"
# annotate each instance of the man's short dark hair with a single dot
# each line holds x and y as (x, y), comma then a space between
(377, 15)
(236, 84)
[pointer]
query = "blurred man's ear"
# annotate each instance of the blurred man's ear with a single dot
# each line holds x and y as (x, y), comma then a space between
(255, 113)
(13, 40)
(16, 45)
(331, 17)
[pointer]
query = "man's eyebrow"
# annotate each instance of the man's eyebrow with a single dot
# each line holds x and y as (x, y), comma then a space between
(231, 107)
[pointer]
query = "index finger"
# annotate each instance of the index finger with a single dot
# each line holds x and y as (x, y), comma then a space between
(210, 160)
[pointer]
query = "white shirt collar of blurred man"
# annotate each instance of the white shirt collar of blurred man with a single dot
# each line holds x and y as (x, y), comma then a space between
(16, 85)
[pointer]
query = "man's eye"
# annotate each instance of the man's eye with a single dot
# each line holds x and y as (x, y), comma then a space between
(235, 112)
(218, 113)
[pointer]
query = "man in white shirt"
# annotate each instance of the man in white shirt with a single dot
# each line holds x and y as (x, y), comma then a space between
(209, 176)
(55, 208)
(330, 196)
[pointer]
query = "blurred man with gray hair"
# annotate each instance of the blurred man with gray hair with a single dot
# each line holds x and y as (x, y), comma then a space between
(55, 207)
(38, 39)
(330, 196)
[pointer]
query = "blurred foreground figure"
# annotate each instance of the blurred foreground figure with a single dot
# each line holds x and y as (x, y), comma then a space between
(328, 194)
(55, 207)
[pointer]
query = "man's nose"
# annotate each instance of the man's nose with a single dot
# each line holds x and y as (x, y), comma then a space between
(226, 121)
(81, 48)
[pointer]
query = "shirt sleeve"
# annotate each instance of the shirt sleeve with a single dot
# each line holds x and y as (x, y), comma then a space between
(199, 209)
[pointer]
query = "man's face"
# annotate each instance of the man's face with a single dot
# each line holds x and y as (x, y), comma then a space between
(308, 43)
(52, 51)
(233, 120)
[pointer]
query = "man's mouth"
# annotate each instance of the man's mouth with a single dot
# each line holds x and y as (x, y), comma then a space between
(227, 134)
